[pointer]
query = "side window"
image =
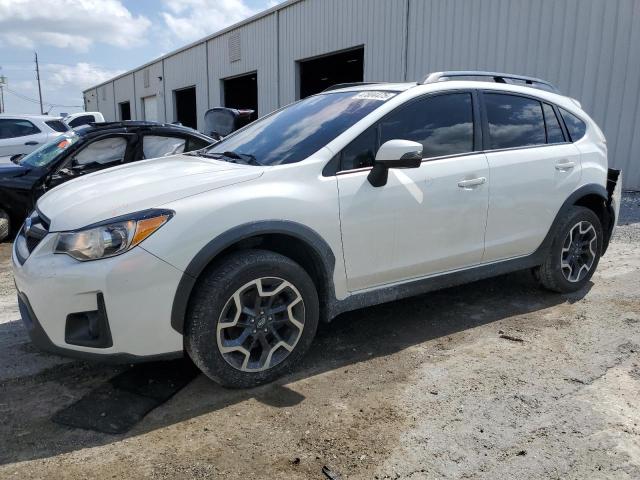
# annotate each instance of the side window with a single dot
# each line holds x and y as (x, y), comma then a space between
(105, 151)
(195, 143)
(443, 124)
(154, 146)
(57, 125)
(81, 120)
(514, 121)
(361, 152)
(576, 127)
(17, 128)
(554, 131)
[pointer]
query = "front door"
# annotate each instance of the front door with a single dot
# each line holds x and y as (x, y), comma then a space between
(425, 220)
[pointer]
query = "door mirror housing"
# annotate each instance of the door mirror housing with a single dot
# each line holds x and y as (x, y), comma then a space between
(394, 154)
(16, 158)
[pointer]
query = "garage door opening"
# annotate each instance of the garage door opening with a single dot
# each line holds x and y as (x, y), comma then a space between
(125, 111)
(186, 107)
(242, 93)
(320, 73)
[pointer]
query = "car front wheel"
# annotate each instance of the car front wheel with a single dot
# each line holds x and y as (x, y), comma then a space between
(251, 318)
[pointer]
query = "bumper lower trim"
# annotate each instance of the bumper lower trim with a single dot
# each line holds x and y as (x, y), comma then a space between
(41, 340)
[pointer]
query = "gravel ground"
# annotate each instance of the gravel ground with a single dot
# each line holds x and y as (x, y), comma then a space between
(423, 388)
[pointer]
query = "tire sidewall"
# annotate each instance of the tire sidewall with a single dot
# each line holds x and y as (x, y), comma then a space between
(576, 215)
(5, 225)
(213, 293)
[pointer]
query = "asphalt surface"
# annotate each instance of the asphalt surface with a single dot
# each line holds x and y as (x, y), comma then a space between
(495, 379)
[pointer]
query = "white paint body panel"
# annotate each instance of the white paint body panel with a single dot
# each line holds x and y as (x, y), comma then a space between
(18, 145)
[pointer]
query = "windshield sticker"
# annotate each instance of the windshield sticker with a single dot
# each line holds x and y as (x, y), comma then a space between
(372, 95)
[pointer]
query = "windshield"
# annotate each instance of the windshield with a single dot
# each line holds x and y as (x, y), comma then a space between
(301, 129)
(47, 153)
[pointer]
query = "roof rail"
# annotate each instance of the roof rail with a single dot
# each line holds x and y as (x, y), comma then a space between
(347, 85)
(491, 76)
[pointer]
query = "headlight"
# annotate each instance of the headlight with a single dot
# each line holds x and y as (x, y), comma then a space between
(112, 237)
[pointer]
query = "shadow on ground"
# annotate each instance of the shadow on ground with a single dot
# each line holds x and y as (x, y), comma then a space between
(351, 338)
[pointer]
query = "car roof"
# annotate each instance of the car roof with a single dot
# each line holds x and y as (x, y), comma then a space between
(134, 126)
(30, 117)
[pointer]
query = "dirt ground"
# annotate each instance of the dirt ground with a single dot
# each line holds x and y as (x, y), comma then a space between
(421, 388)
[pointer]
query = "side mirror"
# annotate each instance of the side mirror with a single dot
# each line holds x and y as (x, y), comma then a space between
(221, 121)
(394, 154)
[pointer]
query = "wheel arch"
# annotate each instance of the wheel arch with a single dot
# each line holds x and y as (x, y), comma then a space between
(293, 240)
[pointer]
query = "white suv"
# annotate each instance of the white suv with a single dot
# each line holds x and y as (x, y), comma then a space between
(353, 197)
(22, 134)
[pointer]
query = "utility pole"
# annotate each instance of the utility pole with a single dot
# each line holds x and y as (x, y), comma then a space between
(39, 88)
(3, 82)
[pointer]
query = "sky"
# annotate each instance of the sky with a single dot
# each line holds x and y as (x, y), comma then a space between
(81, 43)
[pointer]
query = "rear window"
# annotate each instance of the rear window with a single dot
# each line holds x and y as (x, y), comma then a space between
(514, 121)
(576, 127)
(57, 125)
(81, 120)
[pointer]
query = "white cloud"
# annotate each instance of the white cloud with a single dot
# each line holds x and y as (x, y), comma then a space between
(75, 24)
(78, 76)
(192, 19)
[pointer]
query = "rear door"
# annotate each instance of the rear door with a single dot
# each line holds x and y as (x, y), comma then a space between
(19, 135)
(425, 220)
(534, 168)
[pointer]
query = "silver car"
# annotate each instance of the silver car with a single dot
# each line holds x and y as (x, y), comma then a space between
(22, 134)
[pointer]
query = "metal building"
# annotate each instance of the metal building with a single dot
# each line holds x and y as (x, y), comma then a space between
(589, 48)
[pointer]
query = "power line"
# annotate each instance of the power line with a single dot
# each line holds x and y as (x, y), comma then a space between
(33, 100)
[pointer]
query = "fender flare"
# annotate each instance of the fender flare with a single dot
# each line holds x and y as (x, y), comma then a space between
(211, 250)
(589, 189)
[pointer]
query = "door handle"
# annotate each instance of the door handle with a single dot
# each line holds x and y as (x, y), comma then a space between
(563, 167)
(31, 143)
(474, 182)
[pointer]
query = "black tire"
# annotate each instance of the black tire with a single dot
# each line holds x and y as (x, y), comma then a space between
(550, 274)
(216, 287)
(5, 225)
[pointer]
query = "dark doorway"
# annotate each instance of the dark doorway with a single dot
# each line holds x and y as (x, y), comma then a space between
(186, 107)
(242, 93)
(125, 111)
(320, 73)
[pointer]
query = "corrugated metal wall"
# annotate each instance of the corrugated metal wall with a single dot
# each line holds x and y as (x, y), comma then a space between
(317, 27)
(148, 82)
(589, 48)
(125, 92)
(187, 69)
(258, 53)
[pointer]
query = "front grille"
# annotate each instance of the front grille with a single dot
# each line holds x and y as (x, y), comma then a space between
(34, 229)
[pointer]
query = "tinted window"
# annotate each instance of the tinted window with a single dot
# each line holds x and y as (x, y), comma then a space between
(154, 146)
(361, 152)
(57, 125)
(443, 124)
(195, 143)
(301, 129)
(81, 120)
(106, 151)
(554, 131)
(17, 128)
(576, 127)
(514, 121)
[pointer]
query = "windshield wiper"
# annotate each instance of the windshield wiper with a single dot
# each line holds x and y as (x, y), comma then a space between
(248, 158)
(231, 157)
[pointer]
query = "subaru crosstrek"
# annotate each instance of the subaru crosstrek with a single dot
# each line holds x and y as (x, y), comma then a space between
(356, 196)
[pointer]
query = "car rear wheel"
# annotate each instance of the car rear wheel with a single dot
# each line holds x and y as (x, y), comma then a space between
(5, 225)
(251, 318)
(574, 253)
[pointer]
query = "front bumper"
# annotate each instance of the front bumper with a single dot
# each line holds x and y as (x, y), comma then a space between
(133, 293)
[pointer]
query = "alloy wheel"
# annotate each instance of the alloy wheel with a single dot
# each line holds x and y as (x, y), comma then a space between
(260, 324)
(579, 251)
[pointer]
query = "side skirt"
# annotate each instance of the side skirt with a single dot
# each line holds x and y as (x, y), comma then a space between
(430, 284)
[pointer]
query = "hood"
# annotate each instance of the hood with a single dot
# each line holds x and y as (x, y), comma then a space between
(135, 187)
(11, 170)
